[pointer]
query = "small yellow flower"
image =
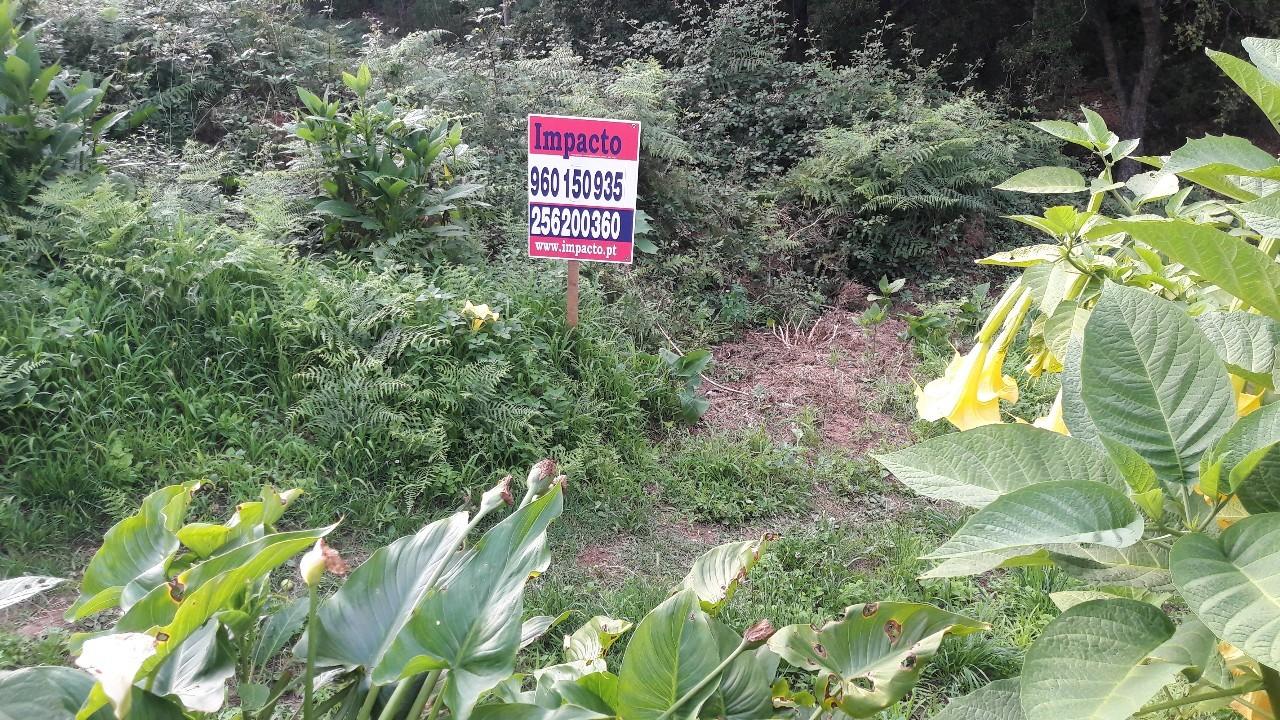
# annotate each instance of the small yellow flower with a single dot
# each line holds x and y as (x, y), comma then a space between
(1053, 420)
(479, 315)
(1245, 402)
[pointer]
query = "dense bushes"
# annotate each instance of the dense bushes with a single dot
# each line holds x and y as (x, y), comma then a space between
(888, 192)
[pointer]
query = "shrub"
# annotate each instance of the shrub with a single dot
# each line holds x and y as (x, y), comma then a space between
(889, 192)
(41, 137)
(1153, 477)
(165, 345)
(386, 173)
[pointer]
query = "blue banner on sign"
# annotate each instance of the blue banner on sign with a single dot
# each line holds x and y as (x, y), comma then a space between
(573, 222)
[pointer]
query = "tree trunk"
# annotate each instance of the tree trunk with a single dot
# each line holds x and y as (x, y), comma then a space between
(1132, 102)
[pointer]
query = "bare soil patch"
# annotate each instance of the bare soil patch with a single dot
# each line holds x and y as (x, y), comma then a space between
(836, 368)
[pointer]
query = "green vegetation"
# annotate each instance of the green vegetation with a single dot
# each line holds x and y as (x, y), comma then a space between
(274, 365)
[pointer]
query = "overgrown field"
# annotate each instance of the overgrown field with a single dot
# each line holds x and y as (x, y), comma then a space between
(290, 426)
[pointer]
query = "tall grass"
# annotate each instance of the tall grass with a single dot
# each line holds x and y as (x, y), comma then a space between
(151, 345)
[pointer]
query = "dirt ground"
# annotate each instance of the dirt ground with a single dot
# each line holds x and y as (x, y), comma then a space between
(835, 370)
(833, 377)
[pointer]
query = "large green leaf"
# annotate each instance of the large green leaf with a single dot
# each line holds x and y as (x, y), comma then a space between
(1049, 513)
(671, 651)
(594, 638)
(197, 673)
(1074, 414)
(1265, 53)
(1143, 564)
(1046, 179)
(744, 691)
(999, 700)
(1225, 164)
(1262, 90)
(361, 620)
(1248, 343)
(160, 605)
(138, 545)
(48, 693)
(977, 466)
(716, 574)
(1193, 646)
(1262, 215)
(877, 651)
(250, 521)
(1093, 662)
(1232, 583)
(218, 594)
(471, 625)
(1257, 431)
(1152, 381)
(279, 628)
(1223, 259)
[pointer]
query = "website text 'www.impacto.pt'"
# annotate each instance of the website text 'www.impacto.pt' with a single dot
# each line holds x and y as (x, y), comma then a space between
(573, 248)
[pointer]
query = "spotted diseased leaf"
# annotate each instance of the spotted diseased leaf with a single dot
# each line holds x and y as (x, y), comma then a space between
(716, 574)
(876, 652)
(137, 547)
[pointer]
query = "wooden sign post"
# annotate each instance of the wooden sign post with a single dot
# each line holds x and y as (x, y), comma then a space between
(582, 193)
(571, 298)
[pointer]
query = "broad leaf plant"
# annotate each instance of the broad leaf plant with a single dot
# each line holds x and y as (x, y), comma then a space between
(431, 626)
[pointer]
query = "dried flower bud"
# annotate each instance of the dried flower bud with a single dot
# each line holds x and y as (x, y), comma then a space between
(499, 494)
(319, 559)
(562, 481)
(759, 634)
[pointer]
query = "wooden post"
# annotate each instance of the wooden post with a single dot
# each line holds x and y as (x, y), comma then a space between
(571, 298)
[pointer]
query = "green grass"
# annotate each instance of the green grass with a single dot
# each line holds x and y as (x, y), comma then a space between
(735, 478)
(171, 348)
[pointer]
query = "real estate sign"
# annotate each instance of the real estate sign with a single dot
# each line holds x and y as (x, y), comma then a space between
(582, 188)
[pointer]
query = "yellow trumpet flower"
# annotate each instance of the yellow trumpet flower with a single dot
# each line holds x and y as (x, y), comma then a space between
(479, 314)
(1245, 402)
(1053, 420)
(969, 392)
(1042, 362)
